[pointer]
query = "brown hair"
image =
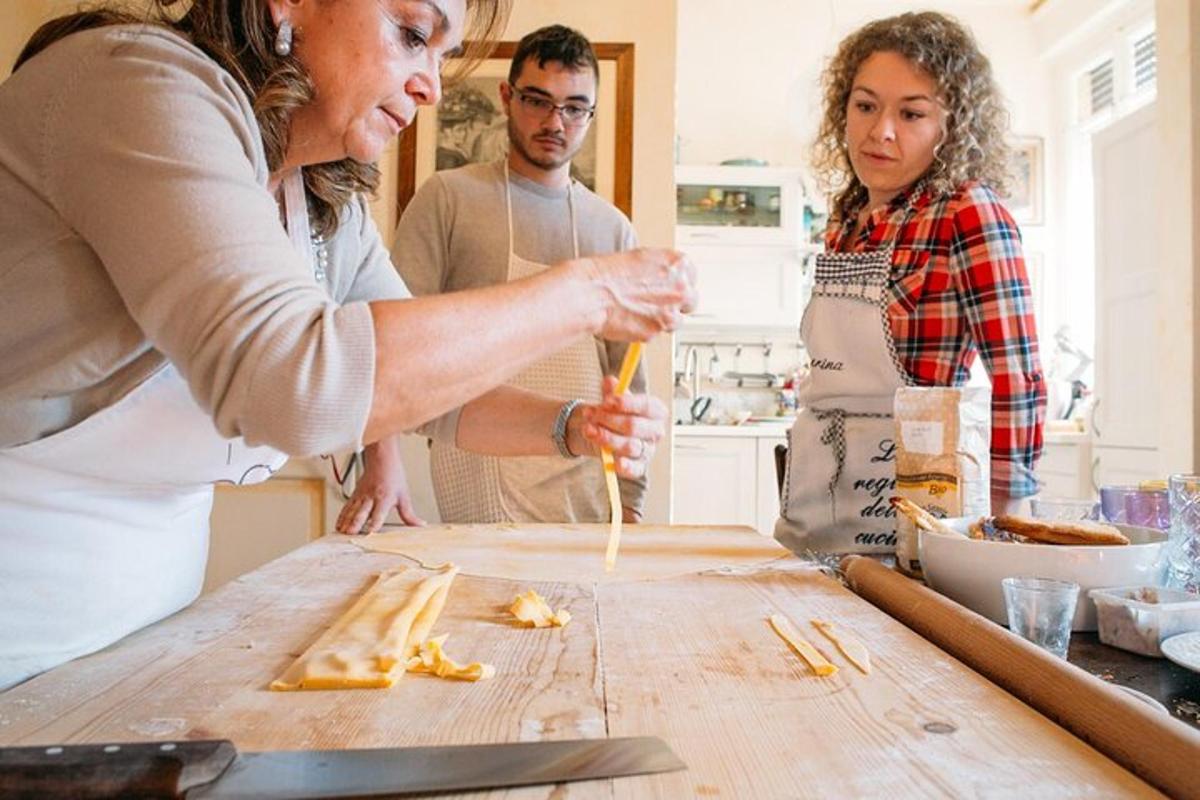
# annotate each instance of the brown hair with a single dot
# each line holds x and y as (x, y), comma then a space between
(973, 147)
(240, 36)
(556, 43)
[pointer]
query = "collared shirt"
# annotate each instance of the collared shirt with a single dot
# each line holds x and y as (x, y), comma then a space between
(959, 288)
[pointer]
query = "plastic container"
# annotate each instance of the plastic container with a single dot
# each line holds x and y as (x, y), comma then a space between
(1139, 618)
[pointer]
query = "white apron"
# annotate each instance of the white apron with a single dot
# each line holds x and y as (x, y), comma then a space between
(478, 488)
(104, 526)
(841, 450)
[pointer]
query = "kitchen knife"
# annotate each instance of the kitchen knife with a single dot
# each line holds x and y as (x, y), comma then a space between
(214, 770)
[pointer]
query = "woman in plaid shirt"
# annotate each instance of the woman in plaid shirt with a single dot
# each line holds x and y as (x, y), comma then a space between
(912, 146)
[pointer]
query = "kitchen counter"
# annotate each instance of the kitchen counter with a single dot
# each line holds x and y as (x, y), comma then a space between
(756, 430)
(682, 652)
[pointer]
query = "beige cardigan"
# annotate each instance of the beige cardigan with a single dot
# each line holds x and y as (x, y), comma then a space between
(135, 228)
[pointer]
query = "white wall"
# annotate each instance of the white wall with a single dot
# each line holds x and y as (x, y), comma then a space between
(749, 84)
(1071, 36)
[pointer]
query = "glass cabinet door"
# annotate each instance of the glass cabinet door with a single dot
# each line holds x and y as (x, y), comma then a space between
(728, 205)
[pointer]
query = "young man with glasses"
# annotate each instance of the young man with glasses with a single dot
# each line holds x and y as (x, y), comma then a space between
(489, 223)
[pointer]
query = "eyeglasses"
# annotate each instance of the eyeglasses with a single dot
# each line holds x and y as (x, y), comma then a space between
(573, 114)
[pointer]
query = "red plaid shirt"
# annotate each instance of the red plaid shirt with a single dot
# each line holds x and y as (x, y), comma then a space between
(959, 287)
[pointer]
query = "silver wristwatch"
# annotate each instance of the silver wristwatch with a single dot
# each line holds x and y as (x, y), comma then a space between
(559, 433)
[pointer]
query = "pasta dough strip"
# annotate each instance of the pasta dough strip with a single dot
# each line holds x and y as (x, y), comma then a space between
(628, 365)
(531, 610)
(854, 651)
(817, 662)
(369, 646)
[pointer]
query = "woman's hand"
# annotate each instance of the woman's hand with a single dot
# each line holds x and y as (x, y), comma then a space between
(630, 425)
(647, 291)
(382, 487)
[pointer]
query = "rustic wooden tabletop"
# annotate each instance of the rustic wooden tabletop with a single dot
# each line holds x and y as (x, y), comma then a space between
(675, 644)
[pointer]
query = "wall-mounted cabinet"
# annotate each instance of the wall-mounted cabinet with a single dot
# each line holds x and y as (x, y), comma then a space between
(749, 287)
(748, 231)
(756, 206)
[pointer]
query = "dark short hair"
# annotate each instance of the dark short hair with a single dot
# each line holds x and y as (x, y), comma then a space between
(558, 43)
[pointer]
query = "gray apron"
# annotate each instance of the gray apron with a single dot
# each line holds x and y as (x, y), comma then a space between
(841, 472)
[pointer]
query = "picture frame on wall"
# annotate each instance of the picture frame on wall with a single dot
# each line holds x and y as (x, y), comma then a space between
(469, 126)
(1027, 181)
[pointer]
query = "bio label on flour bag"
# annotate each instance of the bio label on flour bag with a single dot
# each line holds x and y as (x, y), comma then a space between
(943, 457)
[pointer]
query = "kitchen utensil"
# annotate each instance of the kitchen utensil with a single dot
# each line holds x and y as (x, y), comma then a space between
(214, 768)
(700, 407)
(970, 570)
(1041, 611)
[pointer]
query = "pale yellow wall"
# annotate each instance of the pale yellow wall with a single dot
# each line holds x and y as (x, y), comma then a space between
(20, 18)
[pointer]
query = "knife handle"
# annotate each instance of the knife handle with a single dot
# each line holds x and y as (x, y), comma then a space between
(143, 769)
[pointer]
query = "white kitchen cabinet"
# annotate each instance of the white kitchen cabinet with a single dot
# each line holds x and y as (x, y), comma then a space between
(748, 231)
(251, 525)
(725, 476)
(762, 287)
(1066, 466)
(755, 206)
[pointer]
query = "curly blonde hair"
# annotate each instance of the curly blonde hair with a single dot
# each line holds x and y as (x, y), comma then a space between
(240, 35)
(973, 147)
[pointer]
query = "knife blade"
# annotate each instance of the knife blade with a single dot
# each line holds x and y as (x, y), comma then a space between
(214, 770)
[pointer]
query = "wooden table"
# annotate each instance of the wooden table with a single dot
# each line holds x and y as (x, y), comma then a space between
(686, 657)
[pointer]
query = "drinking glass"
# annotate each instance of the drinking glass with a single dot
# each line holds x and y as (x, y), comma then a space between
(1041, 610)
(1133, 505)
(1184, 546)
(1064, 509)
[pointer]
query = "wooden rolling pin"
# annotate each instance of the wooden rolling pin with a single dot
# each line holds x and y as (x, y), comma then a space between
(1164, 752)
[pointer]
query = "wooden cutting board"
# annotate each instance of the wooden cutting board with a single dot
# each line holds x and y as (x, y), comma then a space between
(567, 553)
(689, 658)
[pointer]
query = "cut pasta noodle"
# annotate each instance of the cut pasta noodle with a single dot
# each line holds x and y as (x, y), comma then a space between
(628, 366)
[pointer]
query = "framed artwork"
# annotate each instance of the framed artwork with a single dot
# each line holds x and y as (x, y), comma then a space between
(469, 126)
(1027, 179)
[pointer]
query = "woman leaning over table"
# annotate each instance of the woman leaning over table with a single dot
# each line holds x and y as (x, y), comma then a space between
(194, 288)
(922, 271)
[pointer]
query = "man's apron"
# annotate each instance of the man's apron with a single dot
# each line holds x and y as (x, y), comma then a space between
(478, 488)
(104, 525)
(841, 471)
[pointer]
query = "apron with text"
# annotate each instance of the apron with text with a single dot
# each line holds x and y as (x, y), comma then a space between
(841, 472)
(104, 525)
(479, 488)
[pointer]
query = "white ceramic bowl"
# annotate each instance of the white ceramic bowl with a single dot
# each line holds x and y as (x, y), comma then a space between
(969, 571)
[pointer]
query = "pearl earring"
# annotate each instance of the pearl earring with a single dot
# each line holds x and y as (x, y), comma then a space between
(283, 39)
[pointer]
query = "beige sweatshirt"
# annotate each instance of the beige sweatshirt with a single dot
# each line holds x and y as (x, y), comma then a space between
(135, 228)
